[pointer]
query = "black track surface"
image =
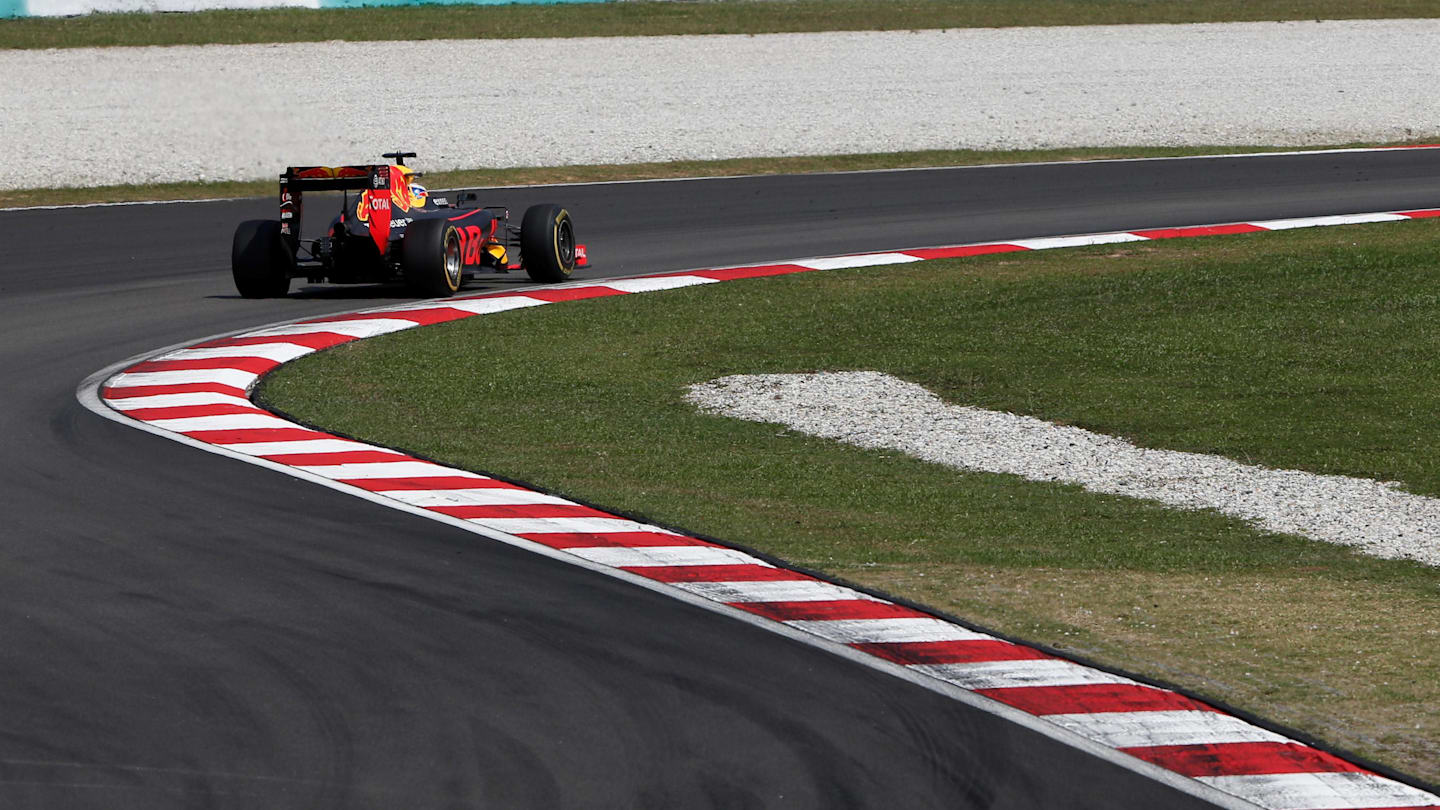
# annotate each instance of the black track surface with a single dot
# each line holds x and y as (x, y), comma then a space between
(182, 630)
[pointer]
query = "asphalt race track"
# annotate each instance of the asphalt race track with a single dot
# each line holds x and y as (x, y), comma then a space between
(181, 630)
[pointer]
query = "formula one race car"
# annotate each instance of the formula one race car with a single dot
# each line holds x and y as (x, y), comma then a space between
(393, 229)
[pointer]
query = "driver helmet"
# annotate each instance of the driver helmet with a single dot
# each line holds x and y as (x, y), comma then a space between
(406, 180)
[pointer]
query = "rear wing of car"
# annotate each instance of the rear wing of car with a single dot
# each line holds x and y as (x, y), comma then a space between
(299, 179)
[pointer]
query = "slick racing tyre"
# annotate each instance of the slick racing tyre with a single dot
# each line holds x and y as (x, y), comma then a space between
(260, 259)
(547, 243)
(431, 257)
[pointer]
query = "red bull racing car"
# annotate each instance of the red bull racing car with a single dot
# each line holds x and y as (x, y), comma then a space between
(392, 229)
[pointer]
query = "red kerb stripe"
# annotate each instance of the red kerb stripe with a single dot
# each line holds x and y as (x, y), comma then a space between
(1208, 230)
(248, 435)
(176, 388)
(313, 340)
(715, 573)
(441, 482)
(186, 411)
(1239, 759)
(737, 273)
(1094, 698)
(949, 652)
(562, 294)
(958, 252)
(837, 609)
(424, 317)
(255, 365)
(1428, 212)
(575, 293)
(343, 457)
(612, 539)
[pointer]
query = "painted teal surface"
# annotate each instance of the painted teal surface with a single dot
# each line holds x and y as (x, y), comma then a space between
(362, 3)
(10, 9)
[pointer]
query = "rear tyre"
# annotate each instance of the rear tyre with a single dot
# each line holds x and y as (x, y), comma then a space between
(260, 259)
(547, 243)
(431, 257)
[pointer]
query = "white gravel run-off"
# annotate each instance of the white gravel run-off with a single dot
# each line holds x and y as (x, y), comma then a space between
(875, 410)
(136, 115)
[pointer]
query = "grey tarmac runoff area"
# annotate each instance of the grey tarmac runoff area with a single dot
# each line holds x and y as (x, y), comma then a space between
(180, 630)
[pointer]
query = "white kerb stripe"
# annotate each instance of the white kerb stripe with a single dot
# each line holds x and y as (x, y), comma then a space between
(385, 469)
(845, 262)
(229, 421)
(233, 377)
(1313, 222)
(799, 590)
(408, 310)
(1051, 242)
(177, 401)
(570, 525)
(1021, 672)
(362, 328)
(486, 306)
(644, 285)
(1148, 729)
(279, 352)
(389, 489)
(649, 556)
(1321, 791)
(490, 496)
(303, 446)
(857, 631)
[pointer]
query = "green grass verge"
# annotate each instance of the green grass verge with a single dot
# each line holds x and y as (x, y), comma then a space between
(542, 175)
(660, 18)
(1306, 349)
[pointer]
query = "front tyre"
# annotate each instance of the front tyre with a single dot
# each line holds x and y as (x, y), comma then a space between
(431, 257)
(547, 243)
(260, 259)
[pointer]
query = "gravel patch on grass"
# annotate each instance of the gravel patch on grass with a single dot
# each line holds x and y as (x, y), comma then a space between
(164, 114)
(875, 410)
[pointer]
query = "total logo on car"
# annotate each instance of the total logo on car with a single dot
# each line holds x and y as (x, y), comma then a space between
(403, 195)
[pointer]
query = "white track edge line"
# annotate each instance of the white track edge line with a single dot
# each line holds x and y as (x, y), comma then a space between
(87, 392)
(117, 204)
(1289, 153)
(600, 282)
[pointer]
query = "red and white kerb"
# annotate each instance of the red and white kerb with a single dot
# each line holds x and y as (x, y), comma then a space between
(202, 393)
